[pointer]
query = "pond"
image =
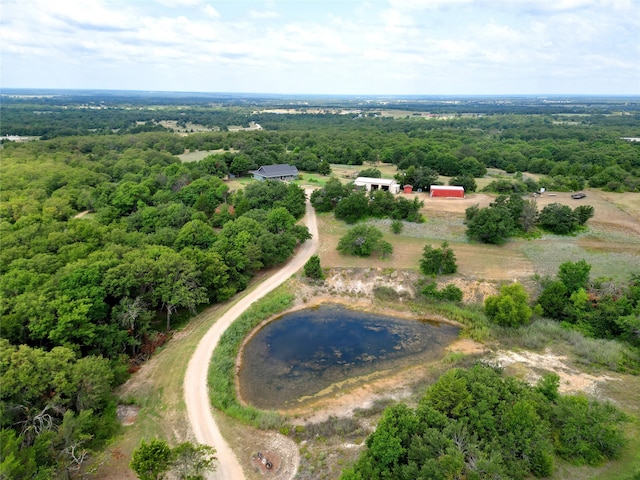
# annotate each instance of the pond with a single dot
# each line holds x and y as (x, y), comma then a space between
(307, 353)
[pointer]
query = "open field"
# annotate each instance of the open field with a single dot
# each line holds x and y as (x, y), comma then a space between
(611, 243)
(198, 155)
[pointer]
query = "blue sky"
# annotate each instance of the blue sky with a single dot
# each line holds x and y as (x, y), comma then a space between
(401, 47)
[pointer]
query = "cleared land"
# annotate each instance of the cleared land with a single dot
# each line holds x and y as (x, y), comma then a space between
(611, 244)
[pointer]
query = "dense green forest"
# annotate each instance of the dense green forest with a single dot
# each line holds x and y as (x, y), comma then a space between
(85, 300)
(476, 424)
(108, 240)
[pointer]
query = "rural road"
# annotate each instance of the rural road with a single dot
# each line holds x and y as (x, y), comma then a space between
(196, 392)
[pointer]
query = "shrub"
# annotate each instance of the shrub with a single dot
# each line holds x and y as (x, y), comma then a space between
(397, 226)
(509, 308)
(450, 292)
(438, 261)
(312, 268)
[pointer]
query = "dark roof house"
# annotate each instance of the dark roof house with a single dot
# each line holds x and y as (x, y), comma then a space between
(282, 171)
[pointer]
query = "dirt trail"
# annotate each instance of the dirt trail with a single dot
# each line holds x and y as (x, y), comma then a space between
(196, 392)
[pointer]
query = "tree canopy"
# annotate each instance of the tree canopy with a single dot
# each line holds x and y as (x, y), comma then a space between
(475, 423)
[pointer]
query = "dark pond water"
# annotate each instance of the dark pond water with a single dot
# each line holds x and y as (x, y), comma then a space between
(306, 352)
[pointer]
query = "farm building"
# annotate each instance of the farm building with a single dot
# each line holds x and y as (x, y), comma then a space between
(276, 172)
(446, 191)
(377, 184)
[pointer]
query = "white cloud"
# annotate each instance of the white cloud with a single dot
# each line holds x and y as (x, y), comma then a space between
(425, 4)
(211, 12)
(263, 14)
(395, 46)
(179, 3)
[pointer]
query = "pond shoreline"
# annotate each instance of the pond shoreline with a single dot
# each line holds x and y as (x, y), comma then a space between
(358, 384)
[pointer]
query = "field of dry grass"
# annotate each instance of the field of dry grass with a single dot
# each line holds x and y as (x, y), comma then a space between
(611, 244)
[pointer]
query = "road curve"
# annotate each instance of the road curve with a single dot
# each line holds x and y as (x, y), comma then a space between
(196, 392)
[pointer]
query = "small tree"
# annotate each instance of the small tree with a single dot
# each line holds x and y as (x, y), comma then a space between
(583, 213)
(438, 261)
(192, 462)
(324, 168)
(574, 275)
(490, 225)
(363, 240)
(370, 173)
(465, 181)
(558, 218)
(509, 308)
(151, 460)
(312, 268)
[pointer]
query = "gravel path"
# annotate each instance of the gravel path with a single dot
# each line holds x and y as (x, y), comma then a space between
(195, 383)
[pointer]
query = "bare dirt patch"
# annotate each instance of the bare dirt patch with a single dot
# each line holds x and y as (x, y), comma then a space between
(531, 366)
(127, 414)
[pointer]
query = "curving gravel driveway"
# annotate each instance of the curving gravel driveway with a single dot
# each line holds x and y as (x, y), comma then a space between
(196, 393)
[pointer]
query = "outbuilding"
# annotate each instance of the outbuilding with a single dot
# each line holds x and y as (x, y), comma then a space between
(446, 191)
(377, 184)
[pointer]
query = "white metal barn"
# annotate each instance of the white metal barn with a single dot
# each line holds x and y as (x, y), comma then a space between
(377, 184)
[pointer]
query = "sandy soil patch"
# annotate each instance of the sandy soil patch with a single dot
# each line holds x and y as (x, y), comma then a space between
(531, 366)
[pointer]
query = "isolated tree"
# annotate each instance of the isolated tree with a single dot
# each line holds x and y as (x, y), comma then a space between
(364, 240)
(528, 216)
(438, 261)
(312, 268)
(491, 225)
(509, 308)
(151, 460)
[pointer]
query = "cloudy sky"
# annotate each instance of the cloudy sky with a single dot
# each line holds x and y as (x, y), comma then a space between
(324, 47)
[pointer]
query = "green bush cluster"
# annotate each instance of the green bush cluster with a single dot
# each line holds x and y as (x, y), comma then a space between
(474, 423)
(449, 293)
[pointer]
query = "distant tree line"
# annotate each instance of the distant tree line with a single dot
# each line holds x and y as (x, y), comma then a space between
(569, 155)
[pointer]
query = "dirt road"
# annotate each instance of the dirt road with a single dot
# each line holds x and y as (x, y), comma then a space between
(195, 382)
